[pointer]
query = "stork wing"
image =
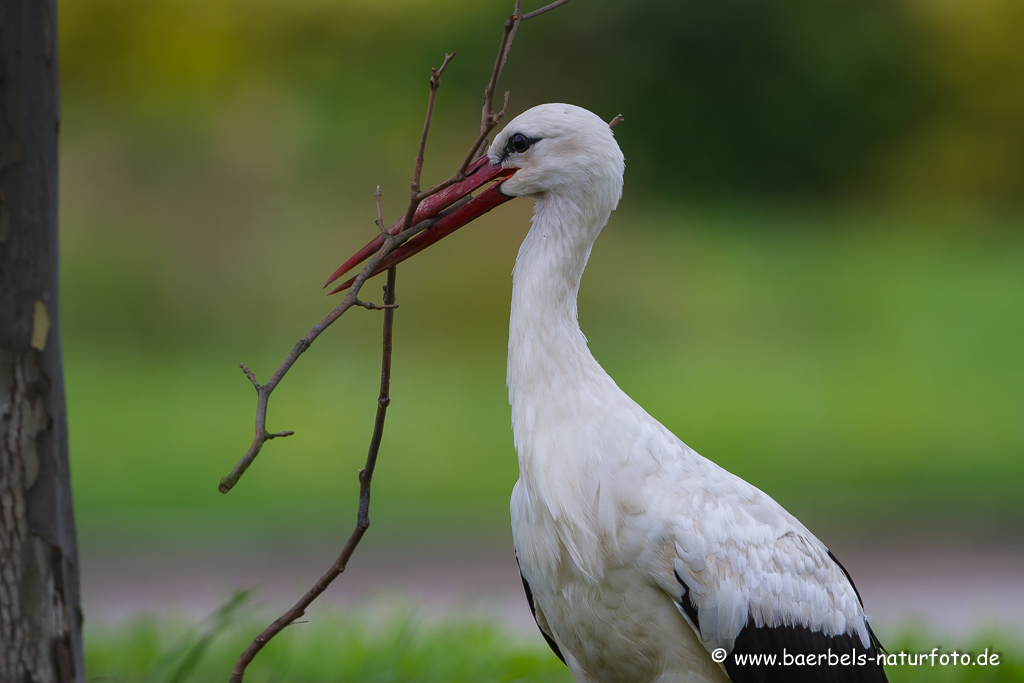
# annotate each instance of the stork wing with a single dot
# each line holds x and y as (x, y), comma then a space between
(533, 610)
(783, 634)
(755, 584)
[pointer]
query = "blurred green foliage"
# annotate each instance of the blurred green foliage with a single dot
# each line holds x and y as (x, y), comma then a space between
(765, 97)
(858, 358)
(900, 99)
(855, 368)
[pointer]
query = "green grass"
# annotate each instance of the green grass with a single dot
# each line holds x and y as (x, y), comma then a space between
(401, 648)
(329, 649)
(1010, 667)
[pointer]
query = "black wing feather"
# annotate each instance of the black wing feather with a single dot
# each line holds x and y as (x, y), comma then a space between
(533, 610)
(874, 639)
(686, 602)
(862, 665)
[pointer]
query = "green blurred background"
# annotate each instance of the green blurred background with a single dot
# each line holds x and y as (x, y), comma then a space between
(815, 277)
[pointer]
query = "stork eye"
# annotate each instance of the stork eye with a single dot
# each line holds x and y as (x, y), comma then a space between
(519, 143)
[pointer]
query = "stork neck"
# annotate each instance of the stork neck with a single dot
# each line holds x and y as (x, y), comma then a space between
(546, 346)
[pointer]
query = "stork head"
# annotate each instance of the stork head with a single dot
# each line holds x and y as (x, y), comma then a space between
(560, 150)
(557, 152)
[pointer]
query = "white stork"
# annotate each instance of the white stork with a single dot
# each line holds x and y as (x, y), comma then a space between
(642, 560)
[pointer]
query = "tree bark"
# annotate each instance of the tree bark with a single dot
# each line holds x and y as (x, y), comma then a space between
(40, 613)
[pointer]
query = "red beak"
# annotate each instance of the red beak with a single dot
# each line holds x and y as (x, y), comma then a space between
(479, 173)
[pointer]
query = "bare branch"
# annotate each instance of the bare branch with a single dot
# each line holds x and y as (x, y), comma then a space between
(370, 306)
(457, 178)
(511, 26)
(435, 77)
(477, 146)
(391, 239)
(363, 514)
(250, 374)
(415, 199)
(263, 391)
(380, 219)
(390, 242)
(435, 83)
(487, 121)
(516, 18)
(504, 109)
(542, 10)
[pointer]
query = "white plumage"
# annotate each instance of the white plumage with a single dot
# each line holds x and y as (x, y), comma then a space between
(642, 556)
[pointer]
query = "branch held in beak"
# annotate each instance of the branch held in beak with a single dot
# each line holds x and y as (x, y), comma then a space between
(477, 175)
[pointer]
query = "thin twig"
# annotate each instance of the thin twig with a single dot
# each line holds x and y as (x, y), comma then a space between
(263, 391)
(435, 83)
(250, 374)
(517, 17)
(415, 196)
(380, 219)
(542, 10)
(488, 119)
(362, 517)
(370, 306)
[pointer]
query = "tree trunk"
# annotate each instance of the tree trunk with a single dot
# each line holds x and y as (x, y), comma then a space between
(40, 614)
